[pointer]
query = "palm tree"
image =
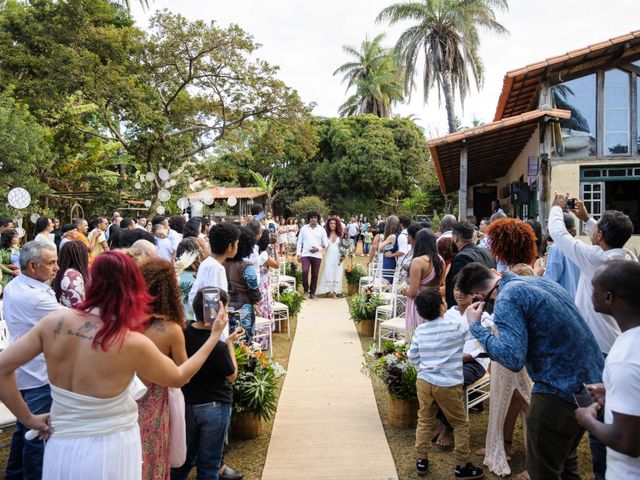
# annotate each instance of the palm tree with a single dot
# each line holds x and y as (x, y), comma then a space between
(374, 74)
(447, 33)
(268, 185)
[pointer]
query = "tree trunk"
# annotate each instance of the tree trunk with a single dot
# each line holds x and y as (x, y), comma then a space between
(449, 100)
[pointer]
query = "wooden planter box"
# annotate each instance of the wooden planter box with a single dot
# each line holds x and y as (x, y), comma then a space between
(246, 426)
(352, 289)
(365, 328)
(402, 413)
(283, 326)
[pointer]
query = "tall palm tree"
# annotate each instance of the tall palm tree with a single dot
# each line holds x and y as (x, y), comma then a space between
(447, 33)
(268, 185)
(376, 78)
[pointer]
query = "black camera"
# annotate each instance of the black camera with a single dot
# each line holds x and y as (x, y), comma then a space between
(571, 203)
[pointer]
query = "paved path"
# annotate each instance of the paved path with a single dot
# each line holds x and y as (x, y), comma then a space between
(327, 425)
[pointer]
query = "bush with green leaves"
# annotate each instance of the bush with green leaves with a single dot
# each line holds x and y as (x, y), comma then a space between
(363, 306)
(355, 274)
(292, 299)
(304, 205)
(391, 365)
(293, 270)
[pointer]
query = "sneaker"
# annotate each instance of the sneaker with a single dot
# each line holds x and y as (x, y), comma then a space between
(468, 472)
(306, 296)
(422, 465)
(313, 297)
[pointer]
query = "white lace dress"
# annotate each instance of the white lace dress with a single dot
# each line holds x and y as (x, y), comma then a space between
(503, 383)
(331, 281)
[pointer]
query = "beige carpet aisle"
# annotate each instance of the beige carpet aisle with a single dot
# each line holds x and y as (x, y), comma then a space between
(327, 425)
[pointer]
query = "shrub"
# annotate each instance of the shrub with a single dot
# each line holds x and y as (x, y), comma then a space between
(355, 274)
(291, 299)
(363, 307)
(305, 204)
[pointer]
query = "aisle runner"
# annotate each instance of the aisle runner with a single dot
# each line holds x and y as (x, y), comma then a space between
(327, 425)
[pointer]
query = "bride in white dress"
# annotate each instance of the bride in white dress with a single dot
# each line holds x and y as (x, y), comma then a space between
(331, 281)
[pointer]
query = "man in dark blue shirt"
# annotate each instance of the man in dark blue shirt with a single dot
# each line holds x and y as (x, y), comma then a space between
(539, 327)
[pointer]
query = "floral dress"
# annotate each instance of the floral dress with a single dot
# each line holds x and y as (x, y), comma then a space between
(5, 259)
(153, 419)
(72, 287)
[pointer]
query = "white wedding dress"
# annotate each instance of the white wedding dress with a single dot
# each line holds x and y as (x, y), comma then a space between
(331, 281)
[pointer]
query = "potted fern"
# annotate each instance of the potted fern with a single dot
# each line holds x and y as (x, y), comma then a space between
(254, 391)
(292, 299)
(391, 365)
(363, 311)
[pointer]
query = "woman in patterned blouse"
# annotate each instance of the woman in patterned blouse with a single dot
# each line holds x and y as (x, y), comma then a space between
(73, 276)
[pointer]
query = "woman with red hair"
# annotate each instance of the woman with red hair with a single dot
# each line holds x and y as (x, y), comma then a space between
(93, 354)
(331, 281)
(164, 328)
(513, 243)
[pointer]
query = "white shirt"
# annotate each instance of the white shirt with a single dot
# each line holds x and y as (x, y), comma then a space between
(44, 237)
(622, 382)
(175, 238)
(211, 273)
(471, 345)
(165, 248)
(403, 242)
(353, 229)
(26, 301)
(309, 238)
(587, 258)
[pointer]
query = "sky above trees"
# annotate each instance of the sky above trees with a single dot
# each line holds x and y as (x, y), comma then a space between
(305, 39)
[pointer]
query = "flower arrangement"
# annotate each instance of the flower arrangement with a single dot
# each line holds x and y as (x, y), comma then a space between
(291, 298)
(346, 248)
(392, 366)
(354, 274)
(255, 388)
(363, 306)
(292, 270)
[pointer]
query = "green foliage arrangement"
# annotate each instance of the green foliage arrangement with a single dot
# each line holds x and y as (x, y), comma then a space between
(393, 368)
(255, 388)
(354, 274)
(291, 299)
(363, 306)
(292, 269)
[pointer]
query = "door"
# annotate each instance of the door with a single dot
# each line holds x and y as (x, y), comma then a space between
(482, 198)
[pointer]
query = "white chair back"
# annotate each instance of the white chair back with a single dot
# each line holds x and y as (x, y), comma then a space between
(4, 335)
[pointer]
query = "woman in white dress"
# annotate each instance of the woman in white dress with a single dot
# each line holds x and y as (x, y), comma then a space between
(513, 243)
(44, 227)
(331, 281)
(93, 354)
(292, 233)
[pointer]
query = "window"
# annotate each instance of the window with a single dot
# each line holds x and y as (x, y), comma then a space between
(637, 142)
(591, 194)
(578, 132)
(616, 112)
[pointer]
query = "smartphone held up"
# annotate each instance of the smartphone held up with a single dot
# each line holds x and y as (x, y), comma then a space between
(210, 304)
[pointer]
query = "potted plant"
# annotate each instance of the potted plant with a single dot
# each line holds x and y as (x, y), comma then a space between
(354, 274)
(292, 270)
(363, 311)
(254, 391)
(292, 299)
(392, 366)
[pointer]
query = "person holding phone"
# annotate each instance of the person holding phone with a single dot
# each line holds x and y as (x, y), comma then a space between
(208, 395)
(311, 240)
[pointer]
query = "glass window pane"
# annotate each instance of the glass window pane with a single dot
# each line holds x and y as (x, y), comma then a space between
(638, 111)
(616, 112)
(578, 132)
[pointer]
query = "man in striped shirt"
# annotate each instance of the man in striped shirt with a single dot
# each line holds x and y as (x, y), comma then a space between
(436, 351)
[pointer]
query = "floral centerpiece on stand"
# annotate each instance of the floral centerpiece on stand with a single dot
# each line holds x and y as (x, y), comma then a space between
(291, 298)
(353, 274)
(391, 365)
(363, 310)
(254, 391)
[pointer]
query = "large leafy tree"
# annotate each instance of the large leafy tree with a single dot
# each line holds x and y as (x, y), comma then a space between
(374, 74)
(446, 33)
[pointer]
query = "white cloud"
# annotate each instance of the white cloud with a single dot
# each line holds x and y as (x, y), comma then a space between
(305, 39)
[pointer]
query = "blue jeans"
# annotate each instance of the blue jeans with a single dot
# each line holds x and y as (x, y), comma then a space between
(25, 457)
(207, 426)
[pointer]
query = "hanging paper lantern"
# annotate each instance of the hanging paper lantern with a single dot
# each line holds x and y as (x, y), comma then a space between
(19, 198)
(147, 203)
(150, 176)
(137, 186)
(163, 174)
(164, 195)
(183, 203)
(160, 209)
(34, 217)
(232, 201)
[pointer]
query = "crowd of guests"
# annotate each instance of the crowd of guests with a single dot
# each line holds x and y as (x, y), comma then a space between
(110, 334)
(551, 317)
(109, 328)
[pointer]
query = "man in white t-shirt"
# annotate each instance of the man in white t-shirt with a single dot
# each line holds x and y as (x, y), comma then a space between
(223, 239)
(615, 293)
(311, 240)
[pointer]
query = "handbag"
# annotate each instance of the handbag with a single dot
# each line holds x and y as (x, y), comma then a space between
(177, 429)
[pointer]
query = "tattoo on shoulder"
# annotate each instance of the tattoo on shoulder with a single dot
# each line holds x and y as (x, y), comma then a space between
(58, 329)
(157, 325)
(84, 332)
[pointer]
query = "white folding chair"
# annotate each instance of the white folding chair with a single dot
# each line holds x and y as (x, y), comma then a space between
(480, 388)
(394, 328)
(4, 332)
(280, 314)
(263, 332)
(282, 277)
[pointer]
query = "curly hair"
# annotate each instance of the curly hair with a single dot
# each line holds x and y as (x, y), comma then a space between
(339, 230)
(512, 241)
(160, 277)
